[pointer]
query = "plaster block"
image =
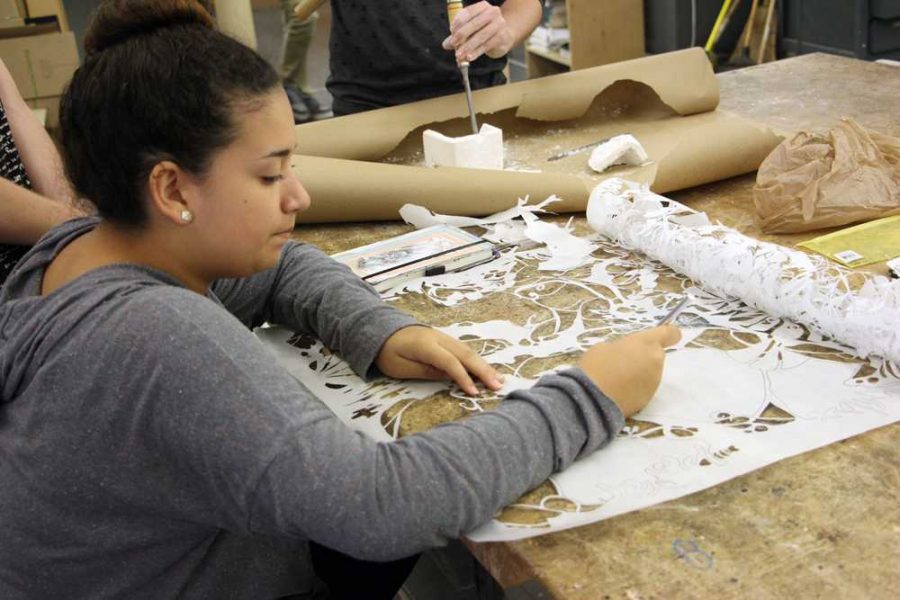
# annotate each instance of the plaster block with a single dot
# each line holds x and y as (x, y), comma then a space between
(482, 151)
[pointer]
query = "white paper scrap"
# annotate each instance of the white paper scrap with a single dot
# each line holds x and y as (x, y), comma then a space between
(420, 217)
(565, 250)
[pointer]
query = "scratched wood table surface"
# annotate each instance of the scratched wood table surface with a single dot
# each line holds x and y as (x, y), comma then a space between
(825, 524)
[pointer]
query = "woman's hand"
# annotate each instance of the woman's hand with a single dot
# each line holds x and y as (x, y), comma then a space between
(629, 370)
(480, 29)
(418, 352)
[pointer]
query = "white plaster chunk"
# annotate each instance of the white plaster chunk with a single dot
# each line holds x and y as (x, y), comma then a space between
(620, 150)
(481, 151)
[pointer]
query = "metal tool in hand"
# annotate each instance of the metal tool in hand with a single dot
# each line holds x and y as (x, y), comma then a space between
(577, 150)
(453, 7)
(672, 315)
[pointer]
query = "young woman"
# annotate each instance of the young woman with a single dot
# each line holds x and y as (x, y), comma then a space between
(150, 447)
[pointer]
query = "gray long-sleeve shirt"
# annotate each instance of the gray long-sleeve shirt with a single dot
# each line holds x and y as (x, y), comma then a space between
(151, 447)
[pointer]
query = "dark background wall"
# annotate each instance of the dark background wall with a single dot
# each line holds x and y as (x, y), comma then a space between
(78, 12)
(667, 23)
(862, 28)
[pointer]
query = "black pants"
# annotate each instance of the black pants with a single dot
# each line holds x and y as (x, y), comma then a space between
(352, 579)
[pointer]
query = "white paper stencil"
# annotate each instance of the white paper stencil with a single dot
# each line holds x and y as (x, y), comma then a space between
(744, 388)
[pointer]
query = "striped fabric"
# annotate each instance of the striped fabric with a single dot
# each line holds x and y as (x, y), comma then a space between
(11, 168)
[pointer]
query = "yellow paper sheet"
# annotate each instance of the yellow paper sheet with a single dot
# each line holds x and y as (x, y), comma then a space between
(866, 244)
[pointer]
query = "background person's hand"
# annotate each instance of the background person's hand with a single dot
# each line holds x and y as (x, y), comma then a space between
(479, 29)
(423, 353)
(629, 370)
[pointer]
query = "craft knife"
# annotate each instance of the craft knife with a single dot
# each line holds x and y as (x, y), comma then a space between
(672, 315)
(453, 7)
(577, 150)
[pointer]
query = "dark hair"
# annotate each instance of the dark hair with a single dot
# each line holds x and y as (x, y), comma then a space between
(158, 82)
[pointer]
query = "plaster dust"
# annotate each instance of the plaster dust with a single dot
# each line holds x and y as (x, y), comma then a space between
(624, 107)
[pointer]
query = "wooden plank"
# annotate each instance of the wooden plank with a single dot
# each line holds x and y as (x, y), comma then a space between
(601, 32)
(504, 564)
(561, 59)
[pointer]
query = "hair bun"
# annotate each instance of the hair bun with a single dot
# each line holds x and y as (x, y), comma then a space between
(115, 21)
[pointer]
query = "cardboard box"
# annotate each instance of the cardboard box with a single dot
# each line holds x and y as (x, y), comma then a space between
(16, 28)
(50, 106)
(41, 65)
(9, 9)
(10, 24)
(41, 115)
(48, 8)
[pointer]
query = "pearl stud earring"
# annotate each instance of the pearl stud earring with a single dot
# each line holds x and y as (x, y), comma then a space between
(187, 216)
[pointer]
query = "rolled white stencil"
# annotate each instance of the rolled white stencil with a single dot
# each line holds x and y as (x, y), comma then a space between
(782, 282)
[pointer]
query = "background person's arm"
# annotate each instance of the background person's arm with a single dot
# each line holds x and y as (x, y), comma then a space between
(483, 28)
(25, 216)
(522, 16)
(39, 154)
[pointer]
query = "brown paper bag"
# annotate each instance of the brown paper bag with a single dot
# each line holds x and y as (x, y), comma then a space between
(813, 180)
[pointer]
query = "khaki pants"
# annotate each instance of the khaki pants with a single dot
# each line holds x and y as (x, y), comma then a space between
(297, 38)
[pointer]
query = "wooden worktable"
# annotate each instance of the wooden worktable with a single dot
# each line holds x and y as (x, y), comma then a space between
(825, 524)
